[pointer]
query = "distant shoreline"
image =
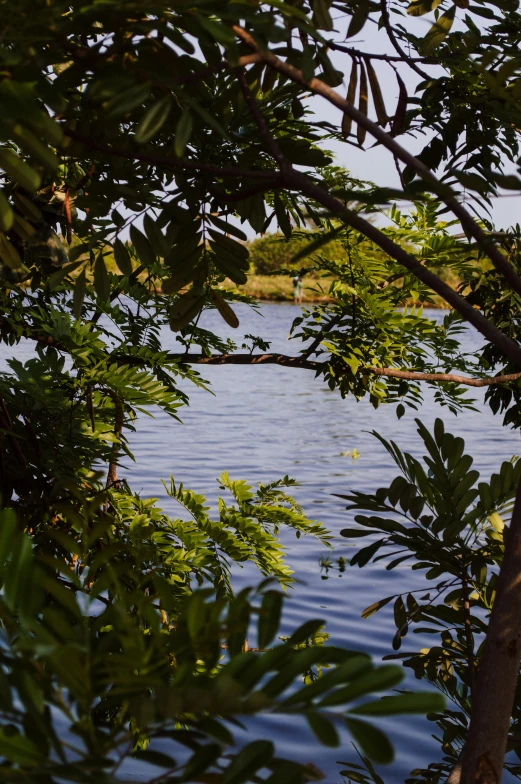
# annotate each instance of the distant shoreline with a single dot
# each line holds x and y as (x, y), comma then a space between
(275, 288)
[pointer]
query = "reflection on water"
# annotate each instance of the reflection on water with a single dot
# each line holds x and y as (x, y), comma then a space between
(266, 421)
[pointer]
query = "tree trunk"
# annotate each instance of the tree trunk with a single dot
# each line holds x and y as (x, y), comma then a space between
(493, 697)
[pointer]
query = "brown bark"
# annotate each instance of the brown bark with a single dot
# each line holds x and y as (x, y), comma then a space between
(303, 362)
(484, 752)
(112, 474)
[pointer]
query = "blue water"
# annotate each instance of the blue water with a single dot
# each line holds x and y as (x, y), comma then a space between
(265, 421)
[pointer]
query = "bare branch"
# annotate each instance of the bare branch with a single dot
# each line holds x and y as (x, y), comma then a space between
(303, 362)
(451, 377)
(397, 46)
(388, 58)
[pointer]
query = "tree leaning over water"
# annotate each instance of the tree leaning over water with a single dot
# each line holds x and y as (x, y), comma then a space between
(169, 125)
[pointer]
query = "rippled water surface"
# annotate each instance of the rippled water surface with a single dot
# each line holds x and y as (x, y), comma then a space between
(266, 421)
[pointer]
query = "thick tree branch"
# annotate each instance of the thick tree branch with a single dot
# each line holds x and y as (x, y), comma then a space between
(446, 194)
(303, 362)
(496, 682)
(247, 359)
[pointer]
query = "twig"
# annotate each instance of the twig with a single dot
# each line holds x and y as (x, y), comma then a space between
(6, 423)
(468, 630)
(318, 340)
(397, 46)
(388, 58)
(112, 476)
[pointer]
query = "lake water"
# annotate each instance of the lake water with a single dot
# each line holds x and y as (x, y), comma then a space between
(266, 421)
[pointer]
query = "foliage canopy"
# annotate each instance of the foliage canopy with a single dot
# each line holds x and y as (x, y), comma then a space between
(156, 132)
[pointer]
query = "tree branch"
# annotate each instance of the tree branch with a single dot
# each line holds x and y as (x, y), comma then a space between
(446, 194)
(112, 474)
(397, 46)
(452, 378)
(498, 675)
(388, 58)
(303, 362)
(172, 163)
(300, 361)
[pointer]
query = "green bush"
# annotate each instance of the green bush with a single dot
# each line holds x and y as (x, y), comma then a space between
(273, 253)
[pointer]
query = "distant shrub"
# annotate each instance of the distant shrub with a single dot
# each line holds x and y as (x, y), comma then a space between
(274, 252)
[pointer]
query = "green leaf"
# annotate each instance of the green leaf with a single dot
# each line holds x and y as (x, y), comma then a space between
(376, 606)
(269, 617)
(288, 773)
(183, 133)
(155, 236)
(20, 750)
(207, 117)
(204, 758)
(358, 19)
(6, 214)
(101, 278)
(32, 146)
(438, 32)
(305, 632)
(9, 254)
(508, 181)
(316, 244)
(79, 294)
(227, 228)
(324, 730)
(124, 102)
(322, 15)
(373, 742)
(154, 119)
(253, 757)
(57, 277)
(157, 758)
(421, 7)
(143, 247)
(473, 181)
(122, 258)
(354, 533)
(28, 208)
(19, 171)
(375, 680)
(282, 216)
(421, 702)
